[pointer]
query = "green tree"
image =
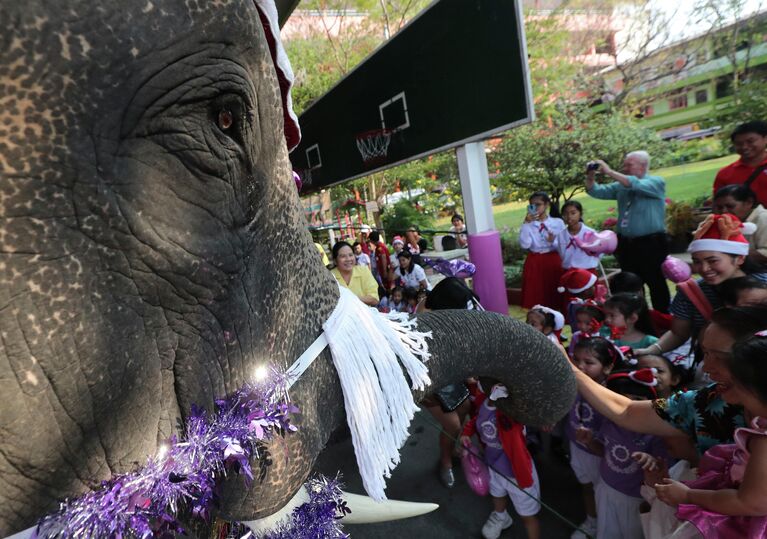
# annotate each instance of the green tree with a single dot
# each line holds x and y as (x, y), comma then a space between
(553, 157)
(398, 217)
(733, 34)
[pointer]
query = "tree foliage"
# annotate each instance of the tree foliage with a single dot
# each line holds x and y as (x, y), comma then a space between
(398, 217)
(552, 157)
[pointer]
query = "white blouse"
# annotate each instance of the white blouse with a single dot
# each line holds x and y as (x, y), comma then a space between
(414, 278)
(533, 236)
(572, 255)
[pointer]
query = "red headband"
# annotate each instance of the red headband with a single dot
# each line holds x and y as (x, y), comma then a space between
(646, 377)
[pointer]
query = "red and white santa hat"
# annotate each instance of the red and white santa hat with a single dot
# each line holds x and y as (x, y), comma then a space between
(722, 233)
(576, 281)
(559, 319)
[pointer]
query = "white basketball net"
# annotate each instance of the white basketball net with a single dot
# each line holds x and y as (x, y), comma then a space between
(373, 144)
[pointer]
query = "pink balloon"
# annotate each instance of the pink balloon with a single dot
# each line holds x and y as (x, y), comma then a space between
(475, 472)
(598, 243)
(675, 270)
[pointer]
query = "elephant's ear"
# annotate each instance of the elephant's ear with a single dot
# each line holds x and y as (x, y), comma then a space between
(268, 12)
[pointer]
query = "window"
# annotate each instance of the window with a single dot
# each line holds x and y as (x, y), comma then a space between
(645, 111)
(678, 101)
(605, 44)
(723, 87)
(701, 96)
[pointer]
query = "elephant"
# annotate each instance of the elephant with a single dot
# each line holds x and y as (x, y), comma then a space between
(153, 252)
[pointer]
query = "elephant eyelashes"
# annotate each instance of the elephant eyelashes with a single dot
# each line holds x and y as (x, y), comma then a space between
(225, 119)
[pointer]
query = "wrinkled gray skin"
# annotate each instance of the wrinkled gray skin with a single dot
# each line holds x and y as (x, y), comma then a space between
(150, 259)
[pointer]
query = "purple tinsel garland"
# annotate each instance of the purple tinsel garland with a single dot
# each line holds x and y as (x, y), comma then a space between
(146, 503)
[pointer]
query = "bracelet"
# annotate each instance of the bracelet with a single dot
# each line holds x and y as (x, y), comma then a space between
(660, 350)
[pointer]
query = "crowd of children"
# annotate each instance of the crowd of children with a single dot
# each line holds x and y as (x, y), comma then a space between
(668, 434)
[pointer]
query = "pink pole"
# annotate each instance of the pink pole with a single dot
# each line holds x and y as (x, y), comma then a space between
(489, 280)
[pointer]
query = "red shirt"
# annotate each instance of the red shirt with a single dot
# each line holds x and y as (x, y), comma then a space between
(738, 173)
(661, 322)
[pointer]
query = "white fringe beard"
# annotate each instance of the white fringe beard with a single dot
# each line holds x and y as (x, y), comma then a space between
(367, 348)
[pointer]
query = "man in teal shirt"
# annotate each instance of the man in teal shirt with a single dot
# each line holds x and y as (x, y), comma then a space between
(641, 228)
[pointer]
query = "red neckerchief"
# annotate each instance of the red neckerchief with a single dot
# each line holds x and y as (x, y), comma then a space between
(571, 244)
(594, 327)
(617, 332)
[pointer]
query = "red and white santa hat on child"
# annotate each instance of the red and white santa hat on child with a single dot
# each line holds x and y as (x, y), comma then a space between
(559, 319)
(576, 281)
(722, 233)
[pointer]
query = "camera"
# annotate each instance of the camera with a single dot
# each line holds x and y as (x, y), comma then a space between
(532, 209)
(592, 165)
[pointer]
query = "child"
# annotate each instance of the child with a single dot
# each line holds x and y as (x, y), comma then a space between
(588, 321)
(395, 302)
(420, 298)
(397, 245)
(572, 255)
(625, 281)
(580, 287)
(596, 357)
(543, 267)
(411, 297)
(508, 459)
(362, 258)
(618, 492)
(728, 498)
(742, 291)
(668, 374)
(547, 321)
(629, 321)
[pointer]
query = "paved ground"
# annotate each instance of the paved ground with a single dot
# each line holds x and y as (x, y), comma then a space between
(461, 513)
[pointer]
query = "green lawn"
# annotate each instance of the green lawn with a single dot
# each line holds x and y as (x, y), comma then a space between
(683, 182)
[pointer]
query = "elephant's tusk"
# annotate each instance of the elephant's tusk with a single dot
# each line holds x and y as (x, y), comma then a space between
(365, 510)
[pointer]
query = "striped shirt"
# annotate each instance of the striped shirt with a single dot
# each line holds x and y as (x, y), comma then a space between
(683, 309)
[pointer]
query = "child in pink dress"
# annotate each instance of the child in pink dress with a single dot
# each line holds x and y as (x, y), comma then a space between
(729, 497)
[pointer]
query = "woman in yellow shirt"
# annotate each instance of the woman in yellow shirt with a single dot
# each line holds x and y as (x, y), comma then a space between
(358, 279)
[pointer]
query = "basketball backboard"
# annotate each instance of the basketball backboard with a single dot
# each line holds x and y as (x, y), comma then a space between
(457, 73)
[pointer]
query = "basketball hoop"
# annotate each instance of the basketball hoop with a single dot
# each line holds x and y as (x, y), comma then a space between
(373, 145)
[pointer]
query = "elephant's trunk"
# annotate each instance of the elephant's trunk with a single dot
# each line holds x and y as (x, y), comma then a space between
(465, 343)
(468, 343)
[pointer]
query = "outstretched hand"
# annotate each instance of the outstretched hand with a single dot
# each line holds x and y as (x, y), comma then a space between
(672, 492)
(655, 469)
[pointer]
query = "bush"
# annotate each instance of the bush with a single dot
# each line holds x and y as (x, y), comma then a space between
(692, 151)
(513, 275)
(402, 215)
(511, 251)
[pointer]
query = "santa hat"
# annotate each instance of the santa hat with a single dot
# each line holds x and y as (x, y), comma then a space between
(722, 233)
(397, 239)
(576, 281)
(559, 320)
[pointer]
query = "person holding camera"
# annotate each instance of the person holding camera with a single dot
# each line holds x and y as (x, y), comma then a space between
(543, 266)
(641, 227)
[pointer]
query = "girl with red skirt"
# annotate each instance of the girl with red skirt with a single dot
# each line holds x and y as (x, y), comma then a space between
(543, 266)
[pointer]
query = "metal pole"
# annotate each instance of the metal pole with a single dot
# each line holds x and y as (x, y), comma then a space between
(484, 240)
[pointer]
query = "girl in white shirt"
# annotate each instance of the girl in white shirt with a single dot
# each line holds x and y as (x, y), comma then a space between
(573, 256)
(411, 274)
(543, 266)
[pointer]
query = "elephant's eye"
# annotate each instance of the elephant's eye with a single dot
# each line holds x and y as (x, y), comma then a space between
(225, 119)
